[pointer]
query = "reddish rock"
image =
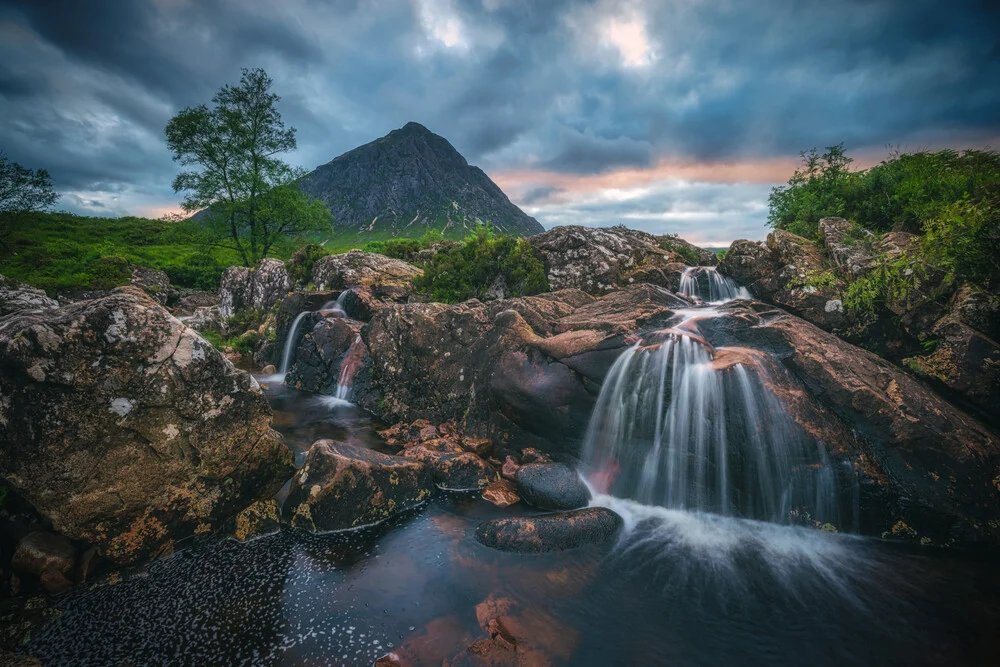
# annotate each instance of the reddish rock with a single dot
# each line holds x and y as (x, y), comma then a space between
(550, 532)
(461, 471)
(270, 369)
(481, 447)
(502, 493)
(510, 467)
(389, 660)
(41, 551)
(532, 455)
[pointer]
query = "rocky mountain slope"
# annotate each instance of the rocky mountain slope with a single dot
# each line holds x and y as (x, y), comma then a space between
(409, 181)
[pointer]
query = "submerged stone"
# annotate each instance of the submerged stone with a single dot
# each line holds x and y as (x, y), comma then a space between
(550, 532)
(551, 486)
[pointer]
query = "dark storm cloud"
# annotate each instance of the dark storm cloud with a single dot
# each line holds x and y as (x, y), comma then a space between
(571, 87)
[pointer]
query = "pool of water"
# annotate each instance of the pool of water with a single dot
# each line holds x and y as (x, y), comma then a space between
(677, 588)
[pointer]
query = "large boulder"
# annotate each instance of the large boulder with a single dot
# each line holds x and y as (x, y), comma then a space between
(601, 260)
(329, 352)
(16, 296)
(528, 367)
(550, 532)
(153, 282)
(922, 463)
(551, 486)
(343, 486)
(128, 430)
(365, 269)
(789, 271)
(255, 289)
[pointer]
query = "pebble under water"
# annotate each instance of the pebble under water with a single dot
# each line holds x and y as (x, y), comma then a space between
(678, 588)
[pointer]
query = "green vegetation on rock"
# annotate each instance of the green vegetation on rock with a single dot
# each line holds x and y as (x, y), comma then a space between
(483, 264)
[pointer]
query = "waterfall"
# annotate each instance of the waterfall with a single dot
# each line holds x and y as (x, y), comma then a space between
(337, 305)
(717, 288)
(290, 341)
(673, 429)
(349, 368)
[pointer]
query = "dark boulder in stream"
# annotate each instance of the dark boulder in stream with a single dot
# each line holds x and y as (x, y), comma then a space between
(550, 532)
(126, 429)
(345, 486)
(551, 486)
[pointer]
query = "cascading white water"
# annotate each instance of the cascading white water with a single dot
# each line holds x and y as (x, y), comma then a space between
(337, 305)
(290, 341)
(717, 288)
(668, 429)
(349, 368)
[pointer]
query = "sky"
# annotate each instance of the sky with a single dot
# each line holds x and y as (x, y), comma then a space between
(668, 116)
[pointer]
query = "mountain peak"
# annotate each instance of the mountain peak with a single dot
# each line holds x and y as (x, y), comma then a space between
(408, 182)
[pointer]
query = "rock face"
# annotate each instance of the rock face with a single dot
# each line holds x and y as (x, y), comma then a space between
(253, 289)
(16, 296)
(790, 272)
(601, 260)
(328, 348)
(344, 486)
(409, 181)
(919, 460)
(128, 430)
(853, 256)
(550, 532)
(525, 368)
(366, 269)
(551, 486)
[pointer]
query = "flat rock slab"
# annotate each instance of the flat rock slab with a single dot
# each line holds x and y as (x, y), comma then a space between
(344, 486)
(551, 486)
(550, 532)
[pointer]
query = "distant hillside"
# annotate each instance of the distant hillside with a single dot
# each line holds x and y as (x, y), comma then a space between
(407, 182)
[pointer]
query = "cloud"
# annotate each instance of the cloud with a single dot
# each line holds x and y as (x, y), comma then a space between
(580, 109)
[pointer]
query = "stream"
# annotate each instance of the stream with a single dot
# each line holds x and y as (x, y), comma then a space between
(698, 584)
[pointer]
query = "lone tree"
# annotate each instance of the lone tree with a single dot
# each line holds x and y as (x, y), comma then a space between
(247, 194)
(22, 190)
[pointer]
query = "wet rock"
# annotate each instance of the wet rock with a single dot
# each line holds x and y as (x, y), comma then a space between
(366, 269)
(601, 260)
(40, 551)
(270, 369)
(261, 518)
(128, 430)
(452, 470)
(510, 468)
(322, 351)
(389, 660)
(526, 368)
(918, 458)
(551, 486)
(965, 361)
(256, 289)
(532, 455)
(16, 296)
(481, 447)
(344, 486)
(550, 532)
(502, 493)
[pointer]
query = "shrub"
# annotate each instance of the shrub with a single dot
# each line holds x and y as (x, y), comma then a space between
(300, 266)
(106, 273)
(671, 243)
(469, 270)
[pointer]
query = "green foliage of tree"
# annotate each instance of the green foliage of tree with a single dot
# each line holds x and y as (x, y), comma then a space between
(248, 195)
(817, 190)
(300, 266)
(900, 193)
(671, 242)
(483, 259)
(22, 190)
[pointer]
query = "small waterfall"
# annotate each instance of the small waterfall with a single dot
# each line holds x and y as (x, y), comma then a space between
(349, 368)
(671, 429)
(337, 305)
(714, 288)
(290, 341)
